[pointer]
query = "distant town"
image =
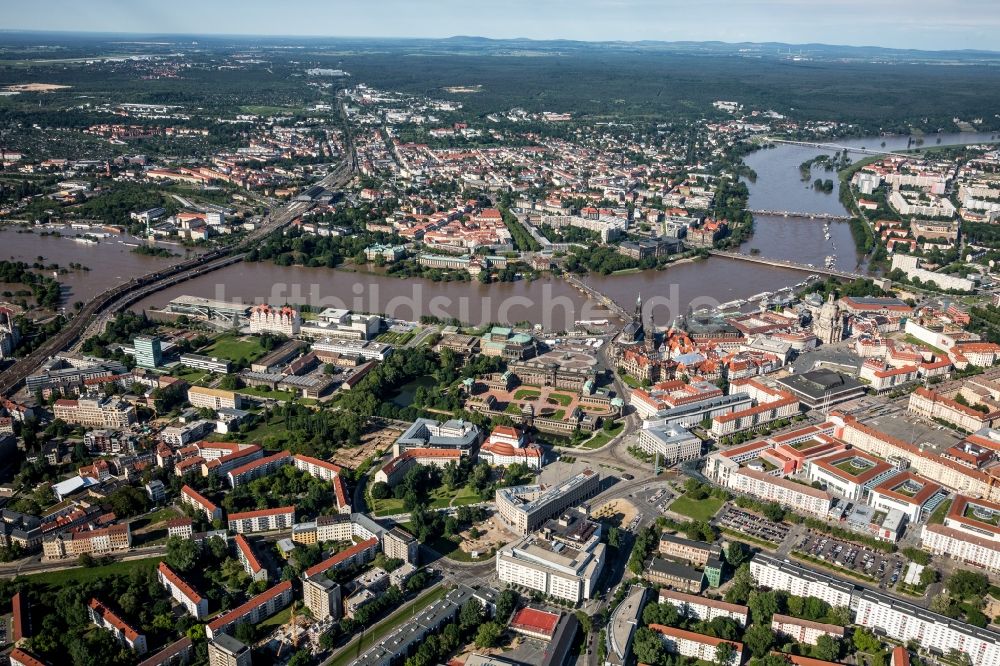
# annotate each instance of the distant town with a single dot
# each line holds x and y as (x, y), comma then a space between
(761, 426)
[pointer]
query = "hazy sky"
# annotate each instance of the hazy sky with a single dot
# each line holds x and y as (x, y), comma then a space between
(924, 24)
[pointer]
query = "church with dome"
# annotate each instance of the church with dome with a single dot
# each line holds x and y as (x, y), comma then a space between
(828, 324)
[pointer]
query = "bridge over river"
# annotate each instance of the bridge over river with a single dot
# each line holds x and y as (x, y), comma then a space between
(806, 216)
(835, 147)
(606, 301)
(783, 263)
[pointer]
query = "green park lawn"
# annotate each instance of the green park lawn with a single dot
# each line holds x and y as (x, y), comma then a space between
(563, 399)
(161, 516)
(57, 579)
(235, 347)
(279, 618)
(524, 394)
(631, 381)
(602, 437)
(439, 498)
(273, 394)
(190, 375)
(449, 547)
(702, 509)
(394, 338)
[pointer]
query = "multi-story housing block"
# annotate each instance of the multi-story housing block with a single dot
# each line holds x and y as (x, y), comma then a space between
(703, 608)
(258, 608)
(248, 559)
(263, 520)
(904, 621)
(778, 574)
(804, 631)
(182, 592)
(111, 412)
(104, 618)
(199, 502)
(698, 646)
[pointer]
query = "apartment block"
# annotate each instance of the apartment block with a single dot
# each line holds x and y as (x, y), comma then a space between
(178, 652)
(263, 520)
(257, 468)
(93, 542)
(225, 650)
(356, 555)
(248, 559)
(696, 552)
(771, 488)
(698, 646)
(322, 597)
(804, 631)
(904, 621)
(111, 412)
(321, 469)
(200, 396)
(193, 498)
(778, 574)
(257, 609)
(400, 544)
(182, 592)
(703, 608)
(104, 618)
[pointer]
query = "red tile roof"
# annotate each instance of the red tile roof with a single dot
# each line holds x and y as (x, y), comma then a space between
(179, 583)
(927, 488)
(261, 512)
(320, 463)
(26, 658)
(340, 491)
(20, 607)
(248, 553)
(164, 655)
(250, 466)
(114, 620)
(692, 636)
(199, 498)
(236, 455)
(342, 556)
(535, 621)
(418, 454)
(704, 601)
(253, 603)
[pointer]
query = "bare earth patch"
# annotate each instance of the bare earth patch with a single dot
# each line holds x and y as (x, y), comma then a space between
(617, 507)
(492, 534)
(371, 442)
(35, 87)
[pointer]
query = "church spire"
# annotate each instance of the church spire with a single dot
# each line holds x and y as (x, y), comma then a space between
(651, 335)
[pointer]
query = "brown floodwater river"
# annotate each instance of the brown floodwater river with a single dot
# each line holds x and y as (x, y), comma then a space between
(550, 301)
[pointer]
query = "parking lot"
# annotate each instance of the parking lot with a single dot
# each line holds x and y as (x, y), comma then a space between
(657, 496)
(751, 524)
(886, 568)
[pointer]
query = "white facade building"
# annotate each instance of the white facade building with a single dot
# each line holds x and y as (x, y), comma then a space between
(703, 608)
(903, 621)
(778, 574)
